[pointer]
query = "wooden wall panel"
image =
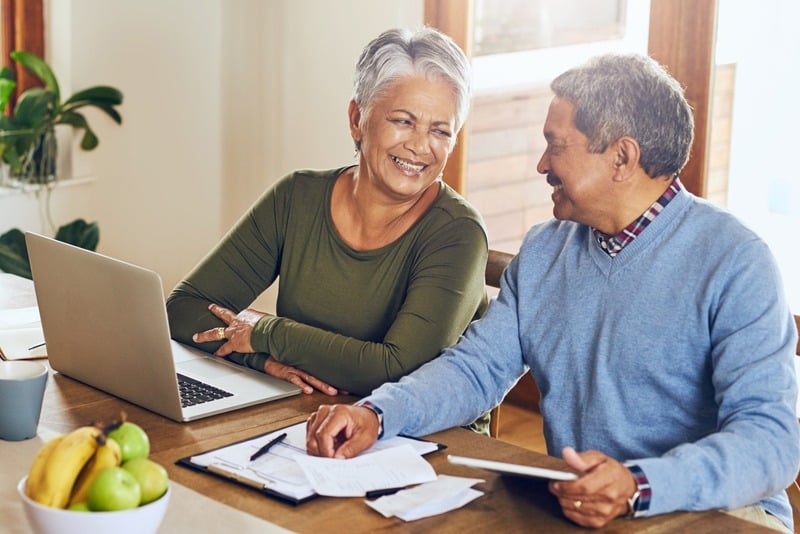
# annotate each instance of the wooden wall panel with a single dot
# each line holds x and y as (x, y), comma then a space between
(22, 28)
(682, 37)
(454, 17)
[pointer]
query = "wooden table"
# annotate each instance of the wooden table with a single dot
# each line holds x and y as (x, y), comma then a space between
(509, 505)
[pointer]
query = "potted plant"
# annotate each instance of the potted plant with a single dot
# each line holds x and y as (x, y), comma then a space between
(27, 133)
(28, 146)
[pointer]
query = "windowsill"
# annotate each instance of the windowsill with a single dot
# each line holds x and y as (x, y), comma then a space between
(38, 188)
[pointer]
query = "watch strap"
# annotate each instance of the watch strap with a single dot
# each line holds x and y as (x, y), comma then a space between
(639, 502)
(377, 411)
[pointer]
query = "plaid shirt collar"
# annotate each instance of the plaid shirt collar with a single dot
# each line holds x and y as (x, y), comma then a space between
(612, 245)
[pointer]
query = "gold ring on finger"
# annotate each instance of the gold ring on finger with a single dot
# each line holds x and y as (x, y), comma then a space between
(577, 505)
(220, 333)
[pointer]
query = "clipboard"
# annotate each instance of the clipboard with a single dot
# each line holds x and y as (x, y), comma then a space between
(276, 474)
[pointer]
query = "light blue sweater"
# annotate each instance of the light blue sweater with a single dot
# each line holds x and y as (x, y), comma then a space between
(676, 354)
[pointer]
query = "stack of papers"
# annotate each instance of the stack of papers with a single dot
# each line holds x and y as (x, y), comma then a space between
(444, 494)
(288, 471)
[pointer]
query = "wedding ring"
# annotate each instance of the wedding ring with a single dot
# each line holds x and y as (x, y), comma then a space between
(220, 333)
(577, 505)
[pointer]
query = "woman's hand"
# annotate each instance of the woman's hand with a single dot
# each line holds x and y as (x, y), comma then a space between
(299, 378)
(237, 333)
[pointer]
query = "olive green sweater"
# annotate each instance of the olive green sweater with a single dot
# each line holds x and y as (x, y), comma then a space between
(355, 319)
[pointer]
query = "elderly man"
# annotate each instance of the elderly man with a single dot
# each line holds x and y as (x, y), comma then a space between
(654, 323)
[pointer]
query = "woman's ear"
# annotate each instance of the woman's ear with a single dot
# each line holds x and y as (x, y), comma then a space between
(354, 116)
(626, 158)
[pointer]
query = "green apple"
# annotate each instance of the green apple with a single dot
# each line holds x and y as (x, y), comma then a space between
(132, 439)
(113, 488)
(151, 476)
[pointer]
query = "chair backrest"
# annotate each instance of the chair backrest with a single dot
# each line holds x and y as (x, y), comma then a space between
(797, 324)
(794, 489)
(495, 265)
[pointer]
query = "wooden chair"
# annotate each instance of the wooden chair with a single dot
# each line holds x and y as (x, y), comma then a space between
(495, 265)
(794, 489)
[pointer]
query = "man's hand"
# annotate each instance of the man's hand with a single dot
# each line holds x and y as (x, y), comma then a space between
(600, 494)
(341, 431)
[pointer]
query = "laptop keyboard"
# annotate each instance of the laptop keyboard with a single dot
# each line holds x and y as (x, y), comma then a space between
(194, 392)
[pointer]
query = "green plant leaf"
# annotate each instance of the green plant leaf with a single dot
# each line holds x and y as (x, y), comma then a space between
(7, 74)
(13, 263)
(95, 95)
(107, 108)
(7, 86)
(39, 68)
(77, 121)
(34, 107)
(14, 253)
(80, 233)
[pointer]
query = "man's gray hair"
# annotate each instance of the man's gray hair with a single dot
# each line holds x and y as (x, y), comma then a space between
(618, 95)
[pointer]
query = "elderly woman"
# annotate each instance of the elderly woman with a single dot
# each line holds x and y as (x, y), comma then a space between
(381, 264)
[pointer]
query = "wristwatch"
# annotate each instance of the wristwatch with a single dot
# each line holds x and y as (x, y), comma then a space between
(639, 502)
(633, 503)
(378, 413)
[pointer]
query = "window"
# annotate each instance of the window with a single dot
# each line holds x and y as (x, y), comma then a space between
(512, 95)
(760, 48)
(503, 26)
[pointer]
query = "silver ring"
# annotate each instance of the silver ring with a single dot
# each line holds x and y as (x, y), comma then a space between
(220, 333)
(577, 505)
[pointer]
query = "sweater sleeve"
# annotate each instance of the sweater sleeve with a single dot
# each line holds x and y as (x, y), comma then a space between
(444, 293)
(238, 269)
(755, 453)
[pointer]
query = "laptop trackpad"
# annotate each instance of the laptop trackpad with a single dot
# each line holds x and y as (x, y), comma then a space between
(205, 369)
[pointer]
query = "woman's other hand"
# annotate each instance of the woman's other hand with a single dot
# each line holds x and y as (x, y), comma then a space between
(301, 379)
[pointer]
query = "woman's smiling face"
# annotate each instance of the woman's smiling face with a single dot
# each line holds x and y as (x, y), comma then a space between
(407, 135)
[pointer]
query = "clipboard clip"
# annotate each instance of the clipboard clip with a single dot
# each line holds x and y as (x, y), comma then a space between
(238, 476)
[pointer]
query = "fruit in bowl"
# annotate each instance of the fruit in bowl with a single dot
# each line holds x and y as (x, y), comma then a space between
(90, 476)
(47, 520)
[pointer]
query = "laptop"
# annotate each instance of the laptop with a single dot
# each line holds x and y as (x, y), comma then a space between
(105, 324)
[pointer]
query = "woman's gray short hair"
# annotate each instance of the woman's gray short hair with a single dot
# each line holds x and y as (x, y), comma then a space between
(630, 94)
(404, 52)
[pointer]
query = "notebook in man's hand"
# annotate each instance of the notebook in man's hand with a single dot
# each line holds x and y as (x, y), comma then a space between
(513, 469)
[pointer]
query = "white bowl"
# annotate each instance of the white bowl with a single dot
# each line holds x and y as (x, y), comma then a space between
(46, 520)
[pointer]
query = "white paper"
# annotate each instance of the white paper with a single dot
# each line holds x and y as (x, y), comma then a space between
(15, 344)
(277, 470)
(389, 468)
(442, 495)
(19, 317)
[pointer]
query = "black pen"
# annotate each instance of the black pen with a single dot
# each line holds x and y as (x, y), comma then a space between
(36, 346)
(374, 494)
(263, 450)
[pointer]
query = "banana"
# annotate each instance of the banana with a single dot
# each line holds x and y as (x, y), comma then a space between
(54, 482)
(35, 473)
(107, 455)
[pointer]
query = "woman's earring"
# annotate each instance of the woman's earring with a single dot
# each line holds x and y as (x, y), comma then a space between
(358, 148)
